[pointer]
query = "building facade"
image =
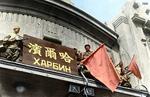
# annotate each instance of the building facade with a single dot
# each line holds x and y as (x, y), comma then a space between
(68, 1)
(63, 24)
(132, 25)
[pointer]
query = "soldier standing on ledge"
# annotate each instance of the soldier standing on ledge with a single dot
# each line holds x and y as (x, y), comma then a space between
(125, 79)
(10, 42)
(87, 51)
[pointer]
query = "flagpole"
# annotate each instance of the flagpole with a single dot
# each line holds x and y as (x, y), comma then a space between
(86, 80)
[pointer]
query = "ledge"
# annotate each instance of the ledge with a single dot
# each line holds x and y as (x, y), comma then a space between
(4, 64)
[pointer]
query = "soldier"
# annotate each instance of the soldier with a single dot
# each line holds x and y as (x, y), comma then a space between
(119, 68)
(84, 56)
(13, 35)
(125, 81)
(10, 42)
(123, 76)
(87, 51)
(78, 55)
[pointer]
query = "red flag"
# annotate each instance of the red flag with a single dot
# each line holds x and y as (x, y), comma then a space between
(101, 67)
(133, 67)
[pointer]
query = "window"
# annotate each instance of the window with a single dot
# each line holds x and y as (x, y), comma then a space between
(147, 35)
(148, 42)
(145, 3)
(147, 11)
(56, 41)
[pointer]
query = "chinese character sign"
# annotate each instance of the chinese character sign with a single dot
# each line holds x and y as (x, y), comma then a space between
(65, 57)
(48, 55)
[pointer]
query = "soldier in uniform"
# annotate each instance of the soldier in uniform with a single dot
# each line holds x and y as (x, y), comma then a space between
(84, 56)
(78, 55)
(87, 51)
(119, 68)
(123, 76)
(13, 35)
(10, 42)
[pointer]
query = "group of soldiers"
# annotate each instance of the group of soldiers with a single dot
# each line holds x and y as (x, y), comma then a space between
(11, 47)
(122, 72)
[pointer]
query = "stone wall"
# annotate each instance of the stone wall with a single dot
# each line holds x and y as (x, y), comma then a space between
(67, 34)
(39, 28)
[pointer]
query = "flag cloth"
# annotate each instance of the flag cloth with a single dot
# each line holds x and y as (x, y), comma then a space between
(133, 67)
(101, 67)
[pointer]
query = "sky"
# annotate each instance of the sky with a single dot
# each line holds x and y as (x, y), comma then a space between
(103, 10)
